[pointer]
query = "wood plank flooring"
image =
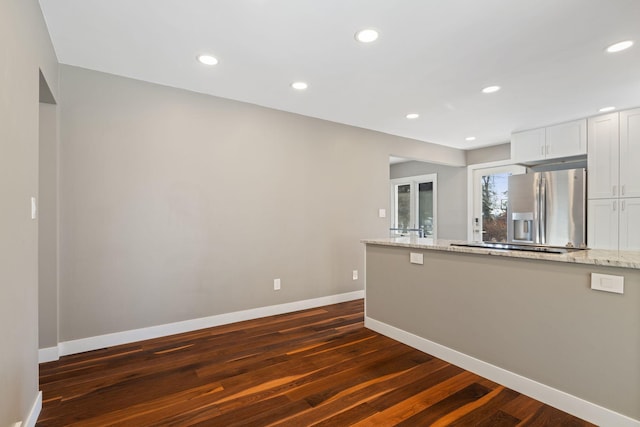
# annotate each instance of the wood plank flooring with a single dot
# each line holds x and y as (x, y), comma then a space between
(315, 367)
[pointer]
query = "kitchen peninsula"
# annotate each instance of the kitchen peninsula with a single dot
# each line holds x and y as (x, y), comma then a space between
(527, 320)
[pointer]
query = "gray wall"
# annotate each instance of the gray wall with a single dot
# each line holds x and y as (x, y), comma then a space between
(24, 48)
(176, 205)
(452, 195)
(489, 154)
(539, 319)
(48, 228)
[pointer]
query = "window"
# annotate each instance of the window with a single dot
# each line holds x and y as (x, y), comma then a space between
(490, 196)
(413, 205)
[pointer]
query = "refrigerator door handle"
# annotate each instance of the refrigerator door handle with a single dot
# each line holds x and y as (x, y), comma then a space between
(536, 214)
(543, 211)
(537, 210)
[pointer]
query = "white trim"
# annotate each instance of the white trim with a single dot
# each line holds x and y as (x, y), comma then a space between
(48, 354)
(548, 395)
(35, 412)
(125, 337)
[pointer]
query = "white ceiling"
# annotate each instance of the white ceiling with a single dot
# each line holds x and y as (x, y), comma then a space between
(433, 57)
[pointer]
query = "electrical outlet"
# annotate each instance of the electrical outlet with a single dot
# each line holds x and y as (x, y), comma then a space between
(355, 274)
(416, 258)
(276, 284)
(607, 283)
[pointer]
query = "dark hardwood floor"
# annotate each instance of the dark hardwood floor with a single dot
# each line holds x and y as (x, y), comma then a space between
(314, 367)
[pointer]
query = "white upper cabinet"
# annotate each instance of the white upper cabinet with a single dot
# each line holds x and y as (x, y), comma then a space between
(528, 145)
(614, 155)
(566, 139)
(603, 156)
(553, 142)
(630, 153)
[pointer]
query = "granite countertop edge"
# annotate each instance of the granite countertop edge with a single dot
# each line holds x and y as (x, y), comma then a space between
(600, 257)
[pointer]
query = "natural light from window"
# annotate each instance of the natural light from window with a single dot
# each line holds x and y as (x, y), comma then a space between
(413, 206)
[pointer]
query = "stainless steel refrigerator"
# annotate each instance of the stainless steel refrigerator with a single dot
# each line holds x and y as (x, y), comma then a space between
(548, 208)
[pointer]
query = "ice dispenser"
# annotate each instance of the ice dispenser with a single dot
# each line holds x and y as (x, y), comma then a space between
(522, 227)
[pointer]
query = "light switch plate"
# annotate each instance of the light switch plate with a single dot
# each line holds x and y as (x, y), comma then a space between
(34, 208)
(382, 213)
(416, 258)
(607, 283)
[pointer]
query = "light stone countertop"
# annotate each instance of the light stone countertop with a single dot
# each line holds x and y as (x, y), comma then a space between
(608, 258)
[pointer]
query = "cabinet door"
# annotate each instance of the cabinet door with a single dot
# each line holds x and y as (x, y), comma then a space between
(528, 145)
(602, 224)
(630, 153)
(603, 156)
(567, 139)
(630, 224)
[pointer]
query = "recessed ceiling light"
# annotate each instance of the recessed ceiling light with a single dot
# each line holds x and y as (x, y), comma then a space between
(491, 89)
(606, 109)
(617, 47)
(470, 138)
(299, 85)
(207, 59)
(367, 35)
(412, 116)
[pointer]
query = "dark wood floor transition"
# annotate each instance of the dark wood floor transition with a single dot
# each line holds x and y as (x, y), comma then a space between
(314, 367)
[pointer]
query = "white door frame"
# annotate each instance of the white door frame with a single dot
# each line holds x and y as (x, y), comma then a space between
(474, 196)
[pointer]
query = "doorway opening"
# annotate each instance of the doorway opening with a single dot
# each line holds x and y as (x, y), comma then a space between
(490, 196)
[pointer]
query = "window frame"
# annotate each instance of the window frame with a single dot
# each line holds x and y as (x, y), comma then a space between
(414, 182)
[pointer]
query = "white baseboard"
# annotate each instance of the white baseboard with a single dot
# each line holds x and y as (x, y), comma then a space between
(125, 337)
(48, 354)
(548, 395)
(34, 413)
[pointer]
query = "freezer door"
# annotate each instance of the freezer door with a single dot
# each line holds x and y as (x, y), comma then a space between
(523, 209)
